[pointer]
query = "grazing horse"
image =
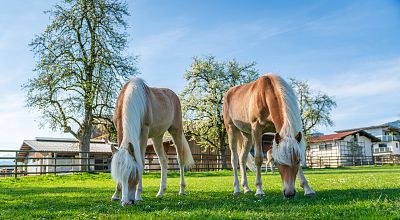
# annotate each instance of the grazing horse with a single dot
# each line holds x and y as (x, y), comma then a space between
(143, 112)
(268, 104)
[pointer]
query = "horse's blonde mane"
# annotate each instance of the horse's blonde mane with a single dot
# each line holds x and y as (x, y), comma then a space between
(133, 112)
(290, 128)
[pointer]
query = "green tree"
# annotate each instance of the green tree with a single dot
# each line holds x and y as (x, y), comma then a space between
(202, 99)
(80, 66)
(315, 107)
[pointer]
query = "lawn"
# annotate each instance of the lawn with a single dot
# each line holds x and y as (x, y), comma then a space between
(346, 193)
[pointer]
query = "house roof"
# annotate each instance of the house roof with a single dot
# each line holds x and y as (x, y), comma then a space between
(342, 135)
(394, 125)
(67, 145)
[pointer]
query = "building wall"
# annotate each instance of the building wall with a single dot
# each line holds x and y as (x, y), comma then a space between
(342, 152)
(59, 162)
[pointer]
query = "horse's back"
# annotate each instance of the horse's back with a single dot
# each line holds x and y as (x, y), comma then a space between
(249, 103)
(165, 109)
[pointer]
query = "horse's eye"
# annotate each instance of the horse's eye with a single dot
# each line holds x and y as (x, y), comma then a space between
(298, 162)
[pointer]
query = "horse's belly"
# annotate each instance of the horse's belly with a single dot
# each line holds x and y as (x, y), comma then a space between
(159, 129)
(242, 126)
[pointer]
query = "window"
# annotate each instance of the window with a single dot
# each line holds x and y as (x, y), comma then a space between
(382, 145)
(325, 146)
(397, 145)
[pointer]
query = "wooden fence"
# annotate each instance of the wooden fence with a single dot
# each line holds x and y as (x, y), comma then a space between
(21, 163)
(342, 161)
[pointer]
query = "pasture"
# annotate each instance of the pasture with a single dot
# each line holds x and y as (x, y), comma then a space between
(346, 193)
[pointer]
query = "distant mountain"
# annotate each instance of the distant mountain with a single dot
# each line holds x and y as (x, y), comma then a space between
(394, 124)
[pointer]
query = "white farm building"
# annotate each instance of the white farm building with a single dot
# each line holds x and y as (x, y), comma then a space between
(341, 149)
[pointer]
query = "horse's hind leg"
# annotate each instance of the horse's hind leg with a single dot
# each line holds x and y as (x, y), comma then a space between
(177, 135)
(159, 149)
(232, 137)
(245, 149)
(271, 164)
(117, 192)
(304, 183)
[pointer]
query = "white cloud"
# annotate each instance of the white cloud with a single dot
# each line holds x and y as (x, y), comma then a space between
(18, 124)
(368, 95)
(375, 79)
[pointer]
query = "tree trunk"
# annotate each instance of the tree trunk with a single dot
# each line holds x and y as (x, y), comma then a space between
(222, 150)
(84, 142)
(223, 158)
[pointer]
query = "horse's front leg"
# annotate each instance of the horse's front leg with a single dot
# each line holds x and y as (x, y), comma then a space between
(304, 183)
(143, 146)
(117, 192)
(125, 201)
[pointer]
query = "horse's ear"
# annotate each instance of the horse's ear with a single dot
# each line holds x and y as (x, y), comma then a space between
(112, 146)
(113, 149)
(298, 137)
(277, 138)
(130, 150)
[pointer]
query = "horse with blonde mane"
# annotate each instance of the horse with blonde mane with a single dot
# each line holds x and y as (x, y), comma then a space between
(268, 104)
(143, 112)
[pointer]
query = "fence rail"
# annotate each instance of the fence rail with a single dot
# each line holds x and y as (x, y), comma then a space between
(26, 162)
(21, 163)
(341, 161)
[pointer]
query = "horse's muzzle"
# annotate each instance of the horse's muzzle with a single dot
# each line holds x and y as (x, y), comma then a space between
(289, 195)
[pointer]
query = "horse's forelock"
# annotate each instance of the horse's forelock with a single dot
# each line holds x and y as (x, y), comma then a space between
(287, 151)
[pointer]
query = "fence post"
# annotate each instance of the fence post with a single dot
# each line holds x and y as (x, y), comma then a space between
(88, 162)
(16, 166)
(55, 163)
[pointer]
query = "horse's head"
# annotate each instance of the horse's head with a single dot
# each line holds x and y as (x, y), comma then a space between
(288, 155)
(124, 170)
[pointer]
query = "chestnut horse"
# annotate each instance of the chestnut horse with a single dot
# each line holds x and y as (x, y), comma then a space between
(141, 113)
(268, 104)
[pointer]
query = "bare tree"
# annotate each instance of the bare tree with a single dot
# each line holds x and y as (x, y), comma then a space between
(80, 66)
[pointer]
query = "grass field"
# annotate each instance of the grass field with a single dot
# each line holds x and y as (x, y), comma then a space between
(347, 193)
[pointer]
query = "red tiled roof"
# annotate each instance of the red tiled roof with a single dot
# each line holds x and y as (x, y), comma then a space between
(337, 136)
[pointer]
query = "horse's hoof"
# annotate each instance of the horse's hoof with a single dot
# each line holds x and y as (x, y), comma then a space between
(114, 198)
(260, 194)
(248, 191)
(182, 193)
(130, 203)
(310, 194)
(236, 193)
(138, 197)
(159, 195)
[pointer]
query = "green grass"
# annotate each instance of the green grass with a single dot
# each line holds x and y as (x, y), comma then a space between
(347, 193)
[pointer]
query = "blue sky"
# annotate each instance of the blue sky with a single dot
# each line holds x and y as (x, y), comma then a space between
(348, 49)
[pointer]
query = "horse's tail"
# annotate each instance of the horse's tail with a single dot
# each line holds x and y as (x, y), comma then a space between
(250, 159)
(187, 154)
